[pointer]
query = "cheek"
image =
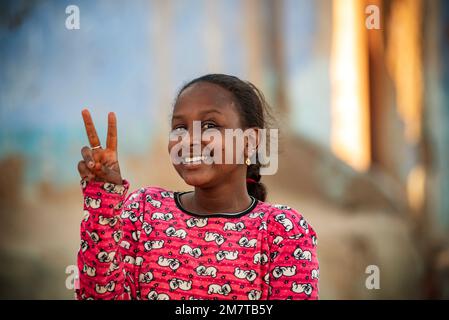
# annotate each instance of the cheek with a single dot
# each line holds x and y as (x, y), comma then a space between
(225, 146)
(169, 148)
(174, 148)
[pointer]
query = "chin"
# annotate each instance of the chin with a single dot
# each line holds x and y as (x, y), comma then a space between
(196, 179)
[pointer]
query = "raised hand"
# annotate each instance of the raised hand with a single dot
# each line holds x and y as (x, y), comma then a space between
(99, 163)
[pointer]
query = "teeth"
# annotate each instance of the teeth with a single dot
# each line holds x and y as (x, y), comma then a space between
(194, 159)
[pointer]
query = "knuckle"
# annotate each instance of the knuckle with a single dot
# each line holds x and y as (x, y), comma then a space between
(85, 150)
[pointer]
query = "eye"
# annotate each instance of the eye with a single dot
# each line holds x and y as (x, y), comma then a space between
(208, 125)
(178, 130)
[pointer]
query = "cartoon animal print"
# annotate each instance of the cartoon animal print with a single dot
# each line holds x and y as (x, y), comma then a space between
(314, 240)
(299, 254)
(128, 214)
(167, 194)
(254, 215)
(109, 287)
(134, 196)
(117, 235)
(180, 284)
(86, 215)
(213, 236)
(114, 188)
(302, 288)
(136, 235)
(196, 222)
(296, 236)
(147, 228)
(266, 278)
(162, 216)
(172, 263)
(260, 258)
(206, 271)
(254, 294)
(119, 205)
(131, 260)
(92, 203)
(172, 232)
(281, 207)
(244, 242)
(228, 255)
(249, 275)
(104, 256)
(125, 244)
(216, 288)
(154, 244)
(107, 221)
(90, 271)
(315, 273)
(239, 226)
(94, 236)
(194, 252)
(273, 255)
(280, 271)
(112, 267)
(146, 277)
(263, 225)
(287, 223)
(84, 245)
(154, 203)
(303, 224)
(277, 240)
(153, 295)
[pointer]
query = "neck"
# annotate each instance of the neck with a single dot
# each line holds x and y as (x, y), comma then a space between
(225, 197)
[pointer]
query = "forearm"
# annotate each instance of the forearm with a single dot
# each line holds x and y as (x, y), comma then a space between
(99, 264)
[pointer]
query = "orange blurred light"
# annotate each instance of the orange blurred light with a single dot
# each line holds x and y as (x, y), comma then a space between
(350, 137)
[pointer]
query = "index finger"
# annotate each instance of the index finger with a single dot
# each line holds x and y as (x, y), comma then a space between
(111, 140)
(90, 129)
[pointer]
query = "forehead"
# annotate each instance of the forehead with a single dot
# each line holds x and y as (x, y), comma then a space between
(202, 96)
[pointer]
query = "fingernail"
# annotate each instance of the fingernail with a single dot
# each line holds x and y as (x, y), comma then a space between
(91, 164)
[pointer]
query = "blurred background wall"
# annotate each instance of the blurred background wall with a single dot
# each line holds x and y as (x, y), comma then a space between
(363, 115)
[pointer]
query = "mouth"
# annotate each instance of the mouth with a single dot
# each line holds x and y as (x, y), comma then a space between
(195, 160)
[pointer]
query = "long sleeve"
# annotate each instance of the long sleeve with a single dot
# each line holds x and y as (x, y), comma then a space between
(294, 268)
(105, 260)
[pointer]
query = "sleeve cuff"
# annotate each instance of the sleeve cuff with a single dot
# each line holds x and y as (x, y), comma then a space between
(89, 187)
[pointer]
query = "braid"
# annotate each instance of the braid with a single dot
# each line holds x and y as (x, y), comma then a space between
(257, 189)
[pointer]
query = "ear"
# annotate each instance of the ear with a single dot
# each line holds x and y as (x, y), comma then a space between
(252, 141)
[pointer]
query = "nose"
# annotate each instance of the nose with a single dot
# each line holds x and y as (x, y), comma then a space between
(195, 138)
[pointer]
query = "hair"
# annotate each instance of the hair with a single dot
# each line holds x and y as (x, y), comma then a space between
(254, 112)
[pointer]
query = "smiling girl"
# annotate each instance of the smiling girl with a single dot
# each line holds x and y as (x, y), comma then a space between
(219, 241)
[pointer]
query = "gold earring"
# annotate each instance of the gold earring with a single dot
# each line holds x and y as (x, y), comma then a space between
(248, 161)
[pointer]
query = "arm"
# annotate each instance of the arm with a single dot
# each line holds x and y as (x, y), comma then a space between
(110, 230)
(294, 268)
(104, 258)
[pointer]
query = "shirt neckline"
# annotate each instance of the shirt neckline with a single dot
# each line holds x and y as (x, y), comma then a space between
(251, 207)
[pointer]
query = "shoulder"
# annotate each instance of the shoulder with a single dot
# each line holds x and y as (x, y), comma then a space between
(285, 220)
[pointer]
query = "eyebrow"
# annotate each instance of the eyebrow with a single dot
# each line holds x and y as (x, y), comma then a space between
(202, 113)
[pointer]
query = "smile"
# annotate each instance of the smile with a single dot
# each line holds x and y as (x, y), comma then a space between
(194, 160)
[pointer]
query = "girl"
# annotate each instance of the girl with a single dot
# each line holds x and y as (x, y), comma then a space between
(220, 241)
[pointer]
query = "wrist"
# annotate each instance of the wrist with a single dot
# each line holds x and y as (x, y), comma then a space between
(111, 189)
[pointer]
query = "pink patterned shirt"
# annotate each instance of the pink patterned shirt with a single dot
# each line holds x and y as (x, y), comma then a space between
(147, 246)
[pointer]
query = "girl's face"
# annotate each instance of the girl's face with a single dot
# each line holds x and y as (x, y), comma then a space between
(214, 108)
